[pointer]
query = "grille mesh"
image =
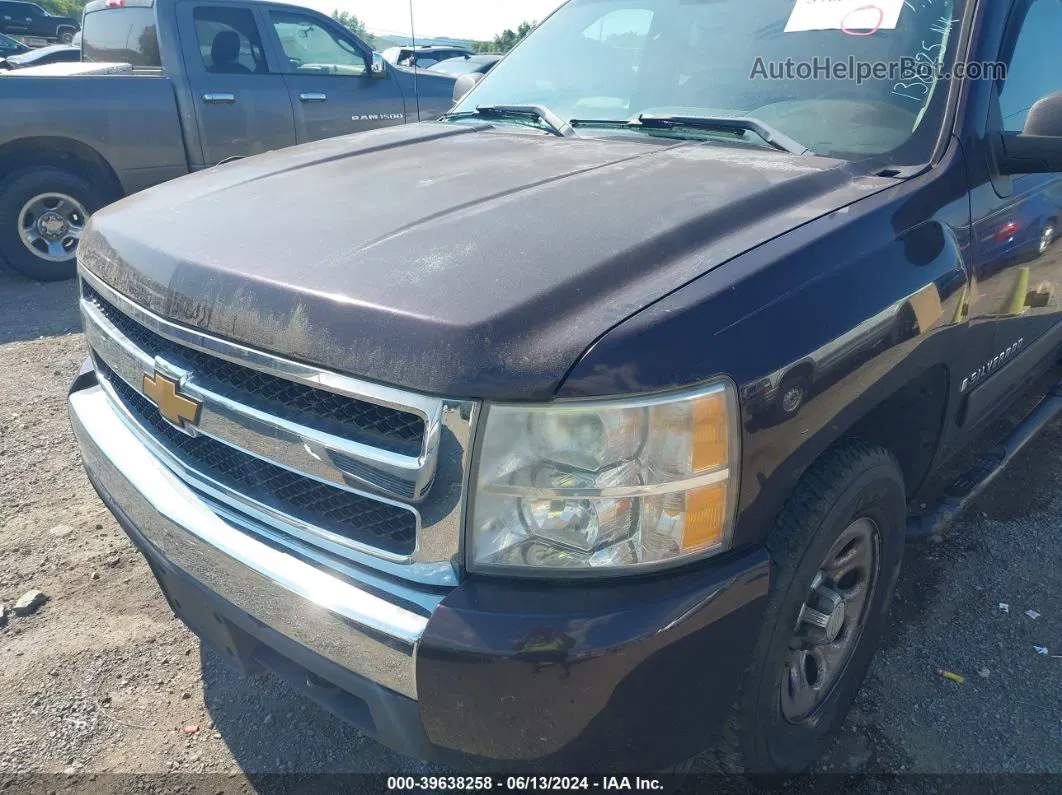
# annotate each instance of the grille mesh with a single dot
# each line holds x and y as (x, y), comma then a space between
(379, 426)
(351, 516)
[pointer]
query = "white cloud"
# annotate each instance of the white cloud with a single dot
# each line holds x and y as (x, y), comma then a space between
(472, 19)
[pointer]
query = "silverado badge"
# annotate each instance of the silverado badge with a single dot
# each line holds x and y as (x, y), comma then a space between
(174, 407)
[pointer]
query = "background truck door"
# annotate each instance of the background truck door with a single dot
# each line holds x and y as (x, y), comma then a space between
(14, 19)
(330, 79)
(241, 101)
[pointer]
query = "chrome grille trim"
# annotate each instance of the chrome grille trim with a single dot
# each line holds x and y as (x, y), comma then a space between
(426, 406)
(273, 438)
(345, 416)
(268, 436)
(432, 485)
(279, 519)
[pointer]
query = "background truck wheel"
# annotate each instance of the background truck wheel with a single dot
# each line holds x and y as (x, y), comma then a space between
(66, 35)
(792, 394)
(1047, 237)
(835, 556)
(43, 212)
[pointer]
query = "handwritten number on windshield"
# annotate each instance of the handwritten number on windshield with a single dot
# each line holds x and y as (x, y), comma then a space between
(918, 90)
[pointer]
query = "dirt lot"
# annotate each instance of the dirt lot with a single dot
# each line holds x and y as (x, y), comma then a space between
(103, 678)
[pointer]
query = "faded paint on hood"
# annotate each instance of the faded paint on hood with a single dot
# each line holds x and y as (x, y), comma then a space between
(450, 258)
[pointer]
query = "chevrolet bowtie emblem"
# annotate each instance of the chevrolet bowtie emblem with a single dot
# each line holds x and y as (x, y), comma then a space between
(176, 408)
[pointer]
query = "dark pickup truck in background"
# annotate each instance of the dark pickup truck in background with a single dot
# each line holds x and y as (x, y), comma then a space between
(209, 82)
(493, 466)
(31, 21)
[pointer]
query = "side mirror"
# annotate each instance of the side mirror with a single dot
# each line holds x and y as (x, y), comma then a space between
(464, 84)
(1038, 148)
(378, 69)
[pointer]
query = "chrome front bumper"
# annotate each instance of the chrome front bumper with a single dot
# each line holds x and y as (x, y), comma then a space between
(329, 614)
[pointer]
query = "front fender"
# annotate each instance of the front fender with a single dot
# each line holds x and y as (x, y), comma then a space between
(830, 290)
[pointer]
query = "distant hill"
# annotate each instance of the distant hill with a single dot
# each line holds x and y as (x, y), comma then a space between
(405, 41)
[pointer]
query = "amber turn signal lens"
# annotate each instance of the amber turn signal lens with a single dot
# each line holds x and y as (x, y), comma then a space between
(711, 432)
(705, 517)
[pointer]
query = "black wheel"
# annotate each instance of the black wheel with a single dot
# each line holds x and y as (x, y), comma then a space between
(835, 556)
(792, 394)
(43, 212)
(66, 36)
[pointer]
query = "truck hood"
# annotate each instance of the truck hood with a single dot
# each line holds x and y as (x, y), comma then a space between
(455, 259)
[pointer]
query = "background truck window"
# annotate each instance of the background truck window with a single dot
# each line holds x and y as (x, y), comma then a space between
(229, 41)
(121, 35)
(311, 48)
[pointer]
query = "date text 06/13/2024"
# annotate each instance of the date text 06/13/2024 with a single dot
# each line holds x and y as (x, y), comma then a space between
(524, 783)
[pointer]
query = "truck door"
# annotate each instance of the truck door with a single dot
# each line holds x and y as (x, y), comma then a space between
(37, 22)
(1017, 220)
(14, 19)
(329, 75)
(241, 101)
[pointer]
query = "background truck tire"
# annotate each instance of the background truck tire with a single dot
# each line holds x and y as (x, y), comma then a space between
(851, 483)
(65, 35)
(24, 197)
(793, 394)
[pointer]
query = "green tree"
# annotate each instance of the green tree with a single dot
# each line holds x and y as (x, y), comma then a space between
(505, 40)
(357, 27)
(63, 8)
(351, 23)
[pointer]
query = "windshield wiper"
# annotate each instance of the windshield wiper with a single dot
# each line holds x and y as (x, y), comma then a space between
(550, 121)
(738, 125)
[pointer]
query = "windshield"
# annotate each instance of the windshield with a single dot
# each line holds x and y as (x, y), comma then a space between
(618, 59)
(8, 45)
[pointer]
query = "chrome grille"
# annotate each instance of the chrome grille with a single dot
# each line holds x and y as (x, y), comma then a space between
(380, 426)
(362, 471)
(388, 527)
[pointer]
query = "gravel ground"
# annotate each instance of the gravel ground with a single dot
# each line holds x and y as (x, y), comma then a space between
(103, 679)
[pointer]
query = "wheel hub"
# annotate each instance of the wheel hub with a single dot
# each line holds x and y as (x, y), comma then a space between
(830, 622)
(792, 399)
(822, 616)
(834, 623)
(52, 225)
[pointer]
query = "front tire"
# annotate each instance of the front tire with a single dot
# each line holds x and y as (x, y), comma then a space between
(43, 212)
(836, 551)
(66, 35)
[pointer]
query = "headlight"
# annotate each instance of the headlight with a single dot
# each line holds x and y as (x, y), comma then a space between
(605, 486)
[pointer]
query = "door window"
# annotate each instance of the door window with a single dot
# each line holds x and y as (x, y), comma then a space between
(228, 41)
(312, 48)
(1033, 73)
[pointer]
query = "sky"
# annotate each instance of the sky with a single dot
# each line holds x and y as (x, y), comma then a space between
(462, 19)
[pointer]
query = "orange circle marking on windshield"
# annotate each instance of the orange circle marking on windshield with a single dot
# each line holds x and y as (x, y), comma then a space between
(872, 31)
